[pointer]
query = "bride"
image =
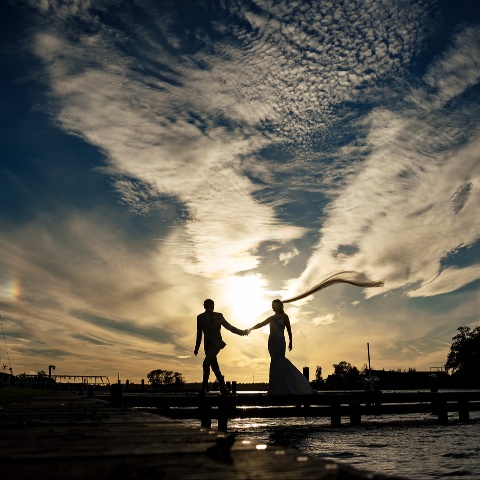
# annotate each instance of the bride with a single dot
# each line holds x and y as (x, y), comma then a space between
(284, 377)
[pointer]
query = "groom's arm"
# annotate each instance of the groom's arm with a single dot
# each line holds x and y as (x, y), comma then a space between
(231, 327)
(199, 337)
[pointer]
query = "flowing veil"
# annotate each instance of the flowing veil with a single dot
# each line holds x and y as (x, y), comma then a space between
(353, 278)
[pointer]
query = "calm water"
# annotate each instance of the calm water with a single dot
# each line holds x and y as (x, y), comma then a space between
(413, 446)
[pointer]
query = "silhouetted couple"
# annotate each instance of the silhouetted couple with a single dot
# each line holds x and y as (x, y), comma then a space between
(284, 377)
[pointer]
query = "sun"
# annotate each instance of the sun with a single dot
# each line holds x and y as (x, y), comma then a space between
(245, 298)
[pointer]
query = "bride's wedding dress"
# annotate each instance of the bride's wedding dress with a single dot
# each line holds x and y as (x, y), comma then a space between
(285, 378)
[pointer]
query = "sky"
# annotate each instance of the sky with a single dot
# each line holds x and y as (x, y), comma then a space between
(157, 153)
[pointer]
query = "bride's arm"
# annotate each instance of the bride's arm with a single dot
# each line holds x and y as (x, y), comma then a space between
(289, 331)
(259, 325)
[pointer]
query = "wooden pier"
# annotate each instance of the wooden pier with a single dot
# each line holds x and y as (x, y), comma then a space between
(335, 406)
(72, 437)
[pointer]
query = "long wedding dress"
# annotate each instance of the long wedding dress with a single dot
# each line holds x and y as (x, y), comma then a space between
(284, 378)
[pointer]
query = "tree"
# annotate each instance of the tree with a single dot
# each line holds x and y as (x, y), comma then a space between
(349, 375)
(464, 356)
(319, 381)
(364, 371)
(166, 378)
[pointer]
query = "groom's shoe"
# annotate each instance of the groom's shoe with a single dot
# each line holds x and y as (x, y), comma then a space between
(202, 392)
(225, 393)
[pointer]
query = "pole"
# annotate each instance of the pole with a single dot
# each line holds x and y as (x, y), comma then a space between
(369, 371)
(6, 348)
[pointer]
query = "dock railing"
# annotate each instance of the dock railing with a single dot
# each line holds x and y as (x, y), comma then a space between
(350, 405)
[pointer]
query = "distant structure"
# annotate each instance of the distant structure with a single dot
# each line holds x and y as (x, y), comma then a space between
(96, 380)
(10, 369)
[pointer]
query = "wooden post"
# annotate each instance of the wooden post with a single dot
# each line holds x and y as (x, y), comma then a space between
(90, 391)
(355, 415)
(116, 395)
(234, 387)
(377, 403)
(335, 416)
(439, 407)
(222, 423)
(205, 413)
(443, 417)
(223, 410)
(463, 413)
(442, 412)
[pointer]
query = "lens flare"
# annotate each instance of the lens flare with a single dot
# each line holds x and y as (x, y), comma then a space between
(10, 290)
(15, 290)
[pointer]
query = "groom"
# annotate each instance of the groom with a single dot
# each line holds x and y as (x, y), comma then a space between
(209, 323)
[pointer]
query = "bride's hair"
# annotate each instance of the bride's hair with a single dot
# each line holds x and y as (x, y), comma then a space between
(277, 300)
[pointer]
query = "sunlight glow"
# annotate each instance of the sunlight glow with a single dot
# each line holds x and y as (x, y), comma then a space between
(246, 298)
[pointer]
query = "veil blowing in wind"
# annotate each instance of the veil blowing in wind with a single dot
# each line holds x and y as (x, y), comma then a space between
(353, 278)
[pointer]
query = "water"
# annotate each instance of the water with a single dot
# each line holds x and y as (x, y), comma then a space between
(413, 446)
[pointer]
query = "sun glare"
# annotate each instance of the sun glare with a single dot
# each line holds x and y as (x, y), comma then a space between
(246, 299)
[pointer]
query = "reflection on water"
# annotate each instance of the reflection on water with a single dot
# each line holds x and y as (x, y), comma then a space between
(413, 446)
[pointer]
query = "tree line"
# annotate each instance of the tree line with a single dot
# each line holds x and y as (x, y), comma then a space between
(166, 378)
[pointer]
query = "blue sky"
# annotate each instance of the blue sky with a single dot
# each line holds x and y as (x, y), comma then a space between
(154, 154)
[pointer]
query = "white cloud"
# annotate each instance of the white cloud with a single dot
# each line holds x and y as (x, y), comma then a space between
(188, 126)
(448, 280)
(457, 69)
(325, 320)
(285, 257)
(127, 121)
(413, 201)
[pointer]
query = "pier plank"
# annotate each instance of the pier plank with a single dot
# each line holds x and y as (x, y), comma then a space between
(72, 438)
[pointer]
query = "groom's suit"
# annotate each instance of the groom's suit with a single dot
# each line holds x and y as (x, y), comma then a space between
(210, 324)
